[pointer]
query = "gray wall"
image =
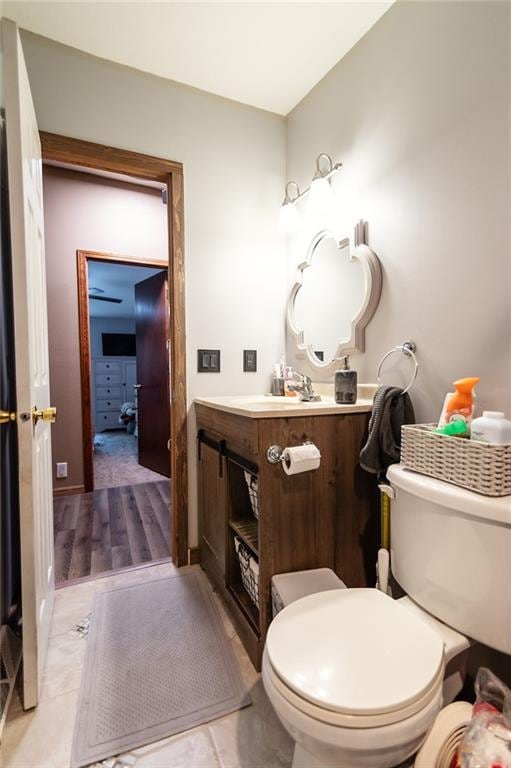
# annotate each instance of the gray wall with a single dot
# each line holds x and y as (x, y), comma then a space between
(234, 163)
(418, 112)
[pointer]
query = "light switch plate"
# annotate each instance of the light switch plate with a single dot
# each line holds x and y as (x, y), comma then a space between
(208, 361)
(250, 360)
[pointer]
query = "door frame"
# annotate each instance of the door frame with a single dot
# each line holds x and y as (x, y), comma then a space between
(82, 260)
(86, 154)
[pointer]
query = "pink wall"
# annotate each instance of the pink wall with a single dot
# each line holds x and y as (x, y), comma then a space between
(87, 212)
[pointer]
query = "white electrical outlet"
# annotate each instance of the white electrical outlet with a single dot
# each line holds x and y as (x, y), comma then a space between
(61, 469)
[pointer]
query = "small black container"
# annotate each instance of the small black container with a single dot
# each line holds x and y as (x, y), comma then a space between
(345, 384)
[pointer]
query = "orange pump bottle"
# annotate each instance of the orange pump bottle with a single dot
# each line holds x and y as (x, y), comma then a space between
(462, 402)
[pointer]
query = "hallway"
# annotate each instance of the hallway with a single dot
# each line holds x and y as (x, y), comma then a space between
(111, 529)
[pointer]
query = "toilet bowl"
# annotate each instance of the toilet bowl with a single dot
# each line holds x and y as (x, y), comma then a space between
(355, 677)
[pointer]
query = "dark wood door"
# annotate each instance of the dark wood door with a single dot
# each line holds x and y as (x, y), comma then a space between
(152, 328)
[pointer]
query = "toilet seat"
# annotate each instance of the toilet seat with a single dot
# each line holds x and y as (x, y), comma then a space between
(354, 721)
(354, 658)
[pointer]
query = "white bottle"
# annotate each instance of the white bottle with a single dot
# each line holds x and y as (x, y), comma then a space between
(491, 427)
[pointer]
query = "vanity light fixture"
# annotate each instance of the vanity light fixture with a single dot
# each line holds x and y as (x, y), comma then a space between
(289, 219)
(320, 198)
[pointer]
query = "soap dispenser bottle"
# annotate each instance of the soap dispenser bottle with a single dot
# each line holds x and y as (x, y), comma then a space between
(345, 383)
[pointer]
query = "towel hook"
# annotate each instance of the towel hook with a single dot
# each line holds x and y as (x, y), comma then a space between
(408, 348)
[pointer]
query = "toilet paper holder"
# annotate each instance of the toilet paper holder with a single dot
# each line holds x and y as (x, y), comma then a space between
(274, 454)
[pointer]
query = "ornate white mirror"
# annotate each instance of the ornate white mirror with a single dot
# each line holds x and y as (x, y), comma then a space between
(336, 293)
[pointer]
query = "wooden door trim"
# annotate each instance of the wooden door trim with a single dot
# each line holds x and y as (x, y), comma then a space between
(63, 149)
(100, 157)
(82, 258)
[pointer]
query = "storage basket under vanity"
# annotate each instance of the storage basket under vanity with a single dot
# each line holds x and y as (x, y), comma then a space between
(249, 569)
(252, 486)
(477, 466)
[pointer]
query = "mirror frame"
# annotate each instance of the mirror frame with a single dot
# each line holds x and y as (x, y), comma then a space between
(371, 267)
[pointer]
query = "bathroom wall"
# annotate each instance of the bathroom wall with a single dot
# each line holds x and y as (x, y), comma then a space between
(86, 212)
(418, 113)
(99, 325)
(234, 171)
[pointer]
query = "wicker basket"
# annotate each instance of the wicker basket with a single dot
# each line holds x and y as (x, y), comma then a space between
(253, 493)
(249, 568)
(481, 467)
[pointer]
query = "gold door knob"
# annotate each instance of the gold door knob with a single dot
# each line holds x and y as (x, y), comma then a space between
(46, 414)
(7, 416)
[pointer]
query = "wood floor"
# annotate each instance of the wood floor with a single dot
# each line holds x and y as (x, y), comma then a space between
(111, 529)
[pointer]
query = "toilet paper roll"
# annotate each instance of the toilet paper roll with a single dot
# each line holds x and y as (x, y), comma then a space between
(302, 458)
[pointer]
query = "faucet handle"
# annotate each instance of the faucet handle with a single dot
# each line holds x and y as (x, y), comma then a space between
(303, 378)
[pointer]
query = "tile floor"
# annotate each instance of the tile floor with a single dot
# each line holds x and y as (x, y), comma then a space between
(249, 738)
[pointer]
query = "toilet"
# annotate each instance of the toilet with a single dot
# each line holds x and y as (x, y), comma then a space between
(356, 677)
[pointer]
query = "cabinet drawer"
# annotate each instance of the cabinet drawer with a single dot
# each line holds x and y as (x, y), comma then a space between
(103, 367)
(108, 405)
(104, 379)
(107, 419)
(108, 392)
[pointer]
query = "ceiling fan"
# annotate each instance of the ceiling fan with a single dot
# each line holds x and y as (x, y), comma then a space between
(94, 293)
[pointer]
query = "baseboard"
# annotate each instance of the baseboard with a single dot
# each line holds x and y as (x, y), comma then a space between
(193, 555)
(70, 490)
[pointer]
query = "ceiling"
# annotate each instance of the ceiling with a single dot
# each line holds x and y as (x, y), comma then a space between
(117, 281)
(265, 54)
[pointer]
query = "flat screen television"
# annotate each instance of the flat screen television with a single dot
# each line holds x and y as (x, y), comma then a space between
(119, 344)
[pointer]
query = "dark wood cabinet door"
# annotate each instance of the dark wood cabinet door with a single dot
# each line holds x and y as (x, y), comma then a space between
(212, 499)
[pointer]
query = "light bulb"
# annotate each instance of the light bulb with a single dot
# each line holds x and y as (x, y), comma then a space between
(289, 220)
(320, 205)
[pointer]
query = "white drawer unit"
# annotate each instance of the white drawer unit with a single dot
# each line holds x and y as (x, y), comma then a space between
(109, 392)
(108, 420)
(112, 385)
(108, 378)
(103, 366)
(109, 405)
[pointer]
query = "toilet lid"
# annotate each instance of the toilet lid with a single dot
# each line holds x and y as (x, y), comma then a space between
(354, 651)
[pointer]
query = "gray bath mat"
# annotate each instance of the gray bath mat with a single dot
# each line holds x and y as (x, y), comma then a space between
(158, 662)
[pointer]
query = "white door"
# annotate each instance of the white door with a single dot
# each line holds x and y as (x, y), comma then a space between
(32, 379)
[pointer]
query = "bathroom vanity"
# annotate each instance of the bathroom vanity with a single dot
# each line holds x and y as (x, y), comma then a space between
(326, 517)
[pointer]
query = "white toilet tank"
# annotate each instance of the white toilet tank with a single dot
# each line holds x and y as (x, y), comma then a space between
(451, 552)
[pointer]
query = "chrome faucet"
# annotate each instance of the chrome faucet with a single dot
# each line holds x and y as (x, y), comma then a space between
(304, 388)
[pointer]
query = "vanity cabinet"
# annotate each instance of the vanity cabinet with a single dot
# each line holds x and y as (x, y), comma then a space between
(328, 517)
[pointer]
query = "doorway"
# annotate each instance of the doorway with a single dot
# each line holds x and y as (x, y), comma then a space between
(133, 168)
(123, 517)
(124, 360)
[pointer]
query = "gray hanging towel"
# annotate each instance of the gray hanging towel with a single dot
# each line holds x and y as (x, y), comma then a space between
(391, 409)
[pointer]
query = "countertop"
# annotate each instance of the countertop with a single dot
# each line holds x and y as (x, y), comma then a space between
(269, 407)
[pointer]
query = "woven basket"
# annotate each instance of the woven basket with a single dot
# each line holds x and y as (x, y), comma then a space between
(481, 467)
(253, 494)
(249, 569)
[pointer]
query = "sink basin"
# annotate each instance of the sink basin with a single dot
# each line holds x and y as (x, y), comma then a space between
(275, 403)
